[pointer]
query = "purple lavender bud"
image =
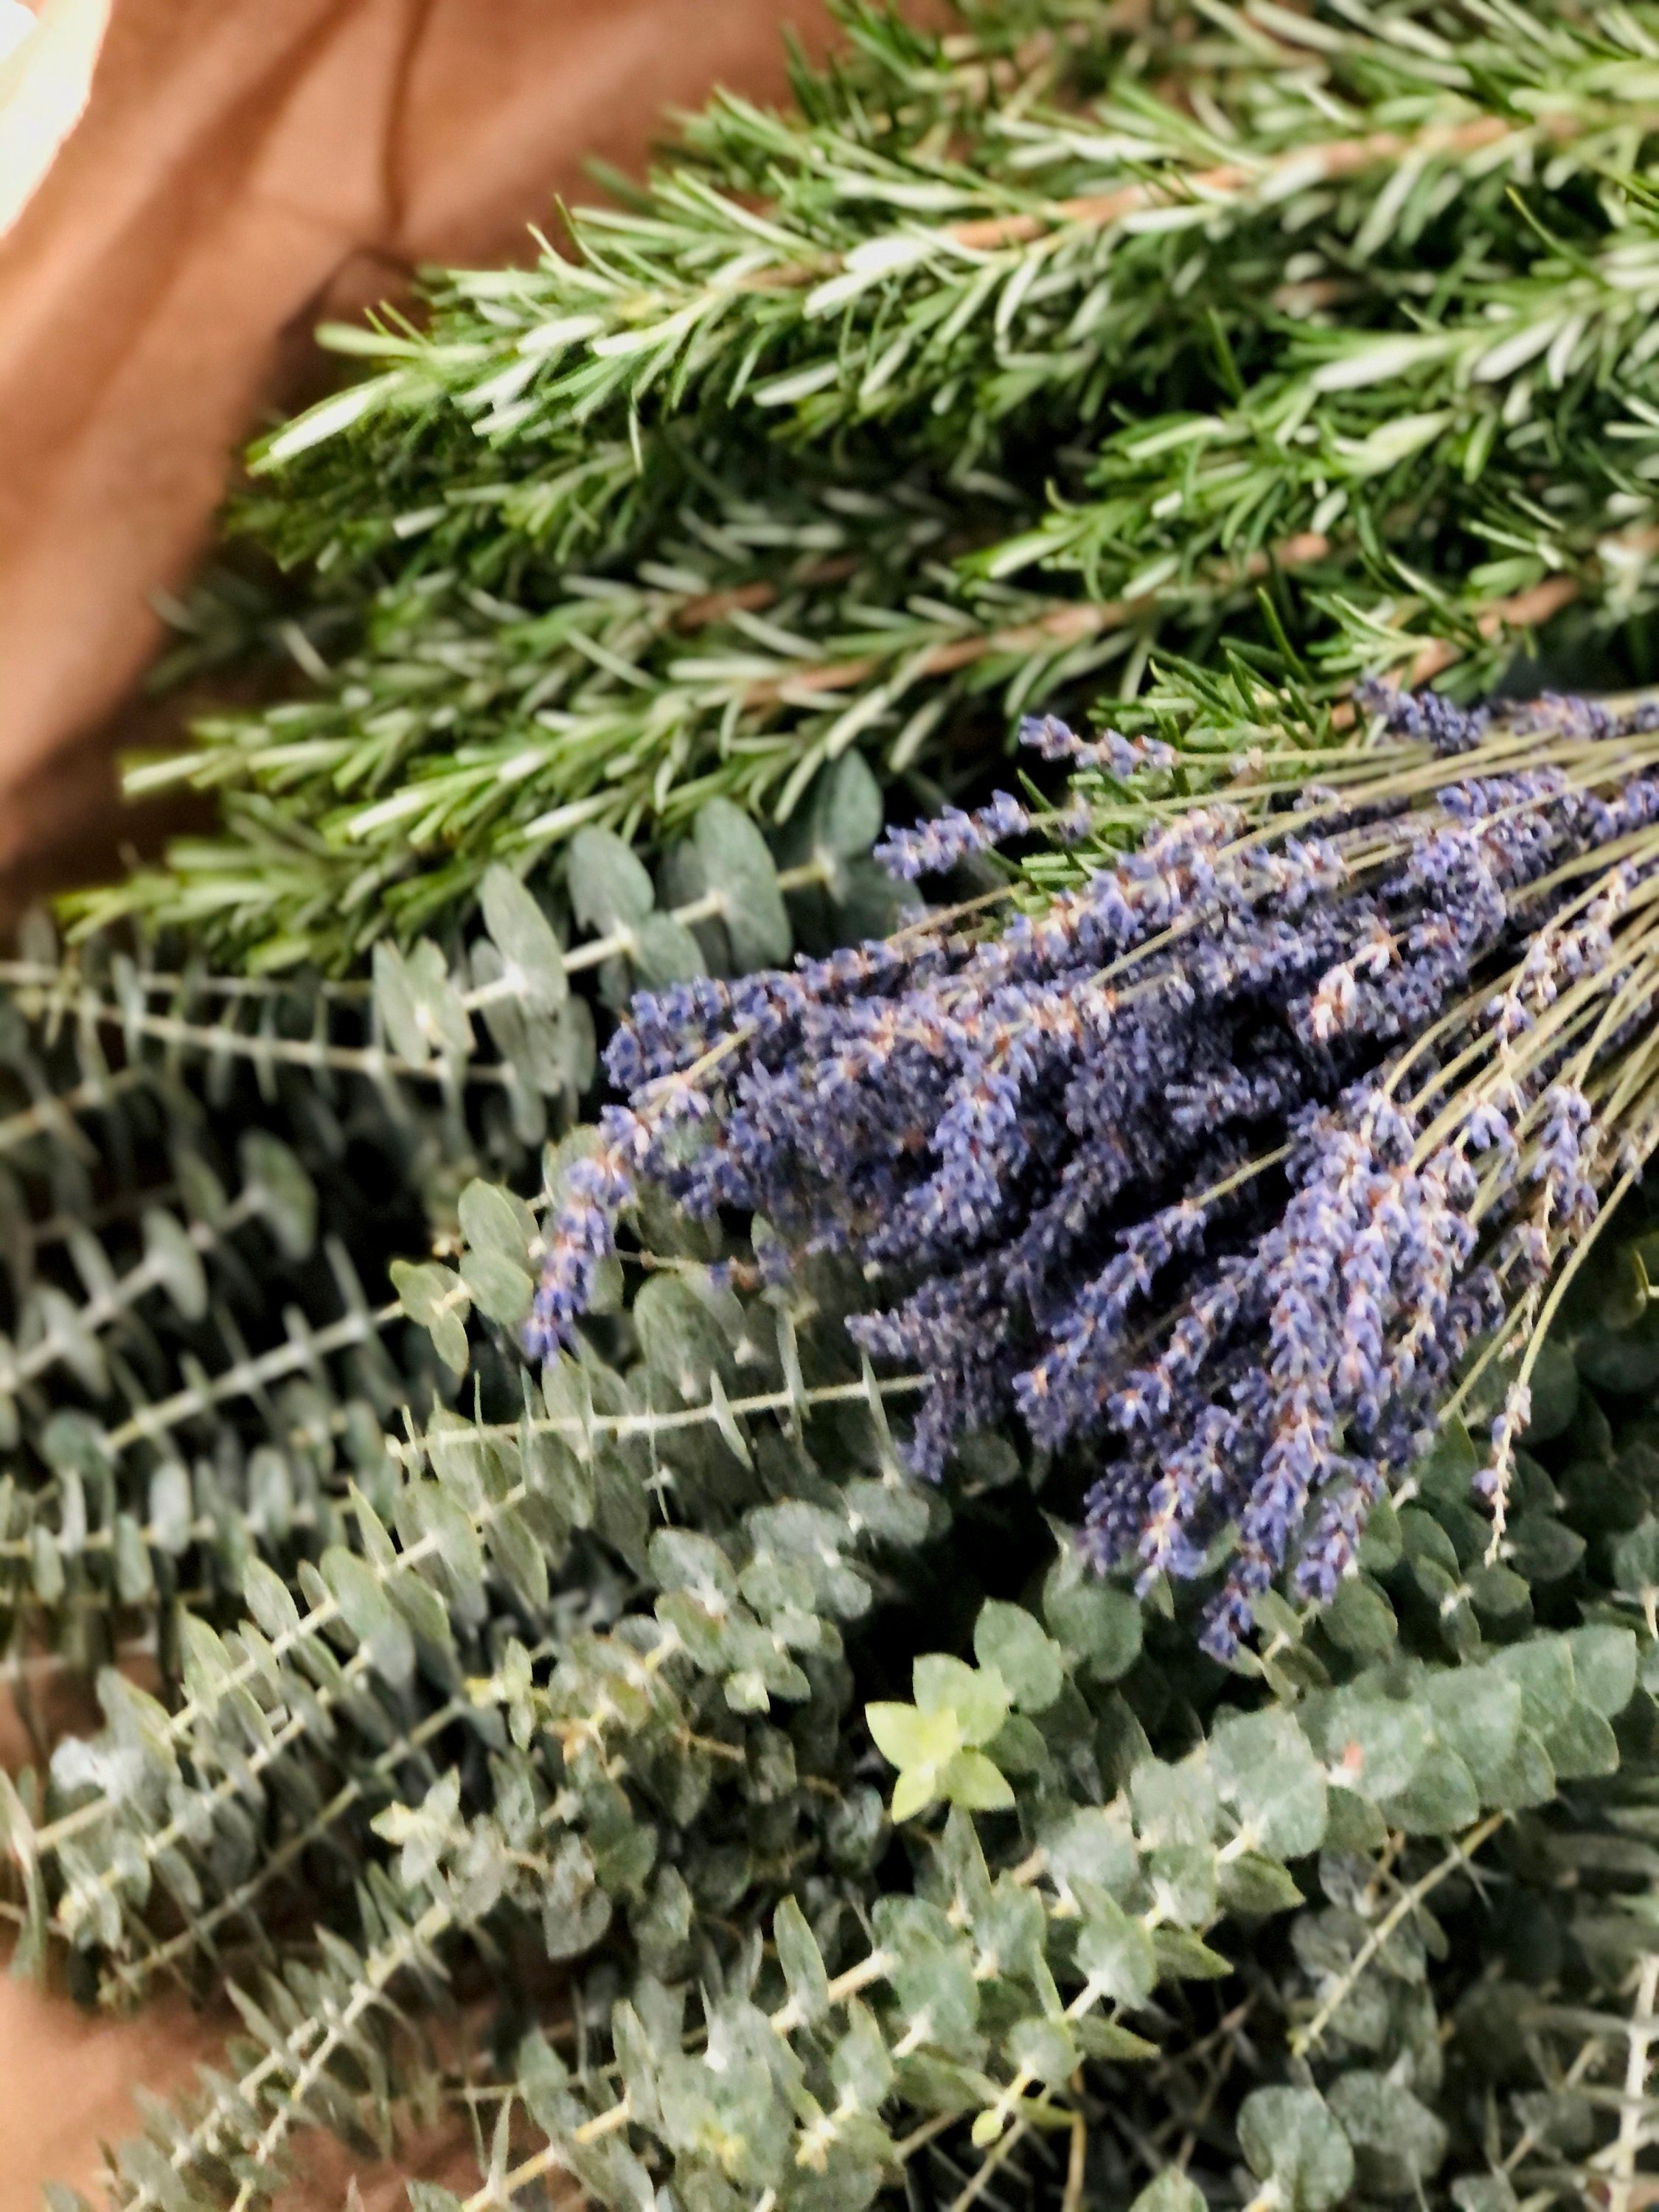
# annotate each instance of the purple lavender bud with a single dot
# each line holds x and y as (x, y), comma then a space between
(583, 1233)
(1119, 756)
(1422, 716)
(932, 847)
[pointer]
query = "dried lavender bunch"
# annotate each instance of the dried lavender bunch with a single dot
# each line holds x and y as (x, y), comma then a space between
(1218, 1164)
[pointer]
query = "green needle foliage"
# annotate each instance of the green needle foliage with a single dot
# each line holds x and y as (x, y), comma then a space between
(979, 236)
(1011, 355)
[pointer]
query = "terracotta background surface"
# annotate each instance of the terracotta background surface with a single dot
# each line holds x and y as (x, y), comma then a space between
(244, 167)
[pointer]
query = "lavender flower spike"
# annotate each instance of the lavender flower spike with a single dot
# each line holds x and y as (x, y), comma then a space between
(1119, 756)
(932, 847)
(584, 1233)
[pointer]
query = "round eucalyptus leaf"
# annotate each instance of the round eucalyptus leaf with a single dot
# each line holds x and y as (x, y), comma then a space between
(846, 813)
(609, 889)
(498, 1286)
(1555, 1392)
(496, 1220)
(666, 951)
(1006, 1636)
(274, 1178)
(524, 937)
(172, 1257)
(1292, 2138)
(737, 863)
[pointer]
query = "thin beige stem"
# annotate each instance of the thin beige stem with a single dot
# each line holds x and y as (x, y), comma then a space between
(1643, 2026)
(1302, 2040)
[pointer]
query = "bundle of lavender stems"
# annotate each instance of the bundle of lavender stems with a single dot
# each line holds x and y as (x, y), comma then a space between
(1233, 1165)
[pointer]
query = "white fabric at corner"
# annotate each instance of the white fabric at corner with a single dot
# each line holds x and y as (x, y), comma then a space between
(47, 62)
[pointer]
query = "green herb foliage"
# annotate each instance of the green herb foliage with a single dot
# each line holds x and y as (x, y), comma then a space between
(1012, 355)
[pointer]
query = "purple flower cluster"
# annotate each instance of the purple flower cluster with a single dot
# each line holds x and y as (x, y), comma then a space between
(1112, 754)
(952, 836)
(1426, 716)
(583, 1231)
(1061, 1149)
(1302, 1367)
(932, 847)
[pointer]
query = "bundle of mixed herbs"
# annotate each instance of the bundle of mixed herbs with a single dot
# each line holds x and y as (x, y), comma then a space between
(784, 1509)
